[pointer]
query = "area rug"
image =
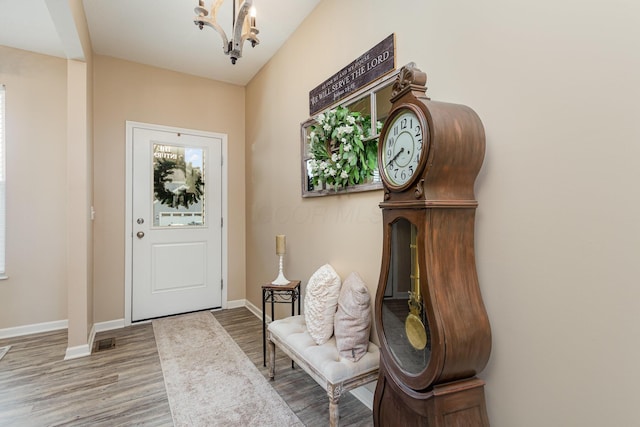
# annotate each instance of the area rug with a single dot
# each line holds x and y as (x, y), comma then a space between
(4, 350)
(209, 379)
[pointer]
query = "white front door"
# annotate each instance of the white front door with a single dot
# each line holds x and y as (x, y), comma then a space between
(176, 223)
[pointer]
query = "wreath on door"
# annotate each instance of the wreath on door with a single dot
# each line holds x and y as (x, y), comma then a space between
(185, 195)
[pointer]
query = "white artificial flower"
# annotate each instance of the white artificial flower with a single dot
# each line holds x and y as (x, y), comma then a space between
(327, 167)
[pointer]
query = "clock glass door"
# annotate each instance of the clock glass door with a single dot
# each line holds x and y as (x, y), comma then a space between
(404, 320)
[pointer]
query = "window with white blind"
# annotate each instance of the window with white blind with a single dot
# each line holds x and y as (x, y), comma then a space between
(2, 185)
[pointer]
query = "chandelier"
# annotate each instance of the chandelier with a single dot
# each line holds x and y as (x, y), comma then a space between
(244, 26)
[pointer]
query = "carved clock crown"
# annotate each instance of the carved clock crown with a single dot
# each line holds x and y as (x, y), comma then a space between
(410, 78)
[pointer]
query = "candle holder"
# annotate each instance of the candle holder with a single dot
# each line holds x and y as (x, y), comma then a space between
(280, 280)
(280, 251)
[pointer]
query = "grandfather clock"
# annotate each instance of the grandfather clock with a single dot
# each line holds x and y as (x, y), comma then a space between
(431, 322)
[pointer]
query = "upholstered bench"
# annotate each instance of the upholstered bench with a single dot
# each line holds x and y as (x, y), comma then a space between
(322, 362)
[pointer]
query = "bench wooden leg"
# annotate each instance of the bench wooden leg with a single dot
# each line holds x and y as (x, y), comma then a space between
(334, 392)
(272, 358)
(334, 414)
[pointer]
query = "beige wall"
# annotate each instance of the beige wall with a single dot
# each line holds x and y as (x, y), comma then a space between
(556, 85)
(80, 183)
(557, 230)
(37, 158)
(36, 98)
(128, 91)
(33, 300)
(79, 251)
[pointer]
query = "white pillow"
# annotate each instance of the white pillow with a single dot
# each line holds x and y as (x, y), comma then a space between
(320, 302)
(353, 318)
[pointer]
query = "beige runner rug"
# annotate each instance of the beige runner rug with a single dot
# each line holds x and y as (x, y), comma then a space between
(210, 381)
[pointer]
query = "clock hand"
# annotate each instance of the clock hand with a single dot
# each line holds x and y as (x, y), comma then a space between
(396, 156)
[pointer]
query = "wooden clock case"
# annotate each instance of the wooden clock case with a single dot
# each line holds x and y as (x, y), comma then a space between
(440, 202)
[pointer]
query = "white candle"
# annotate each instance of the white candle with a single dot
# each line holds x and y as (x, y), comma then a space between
(280, 244)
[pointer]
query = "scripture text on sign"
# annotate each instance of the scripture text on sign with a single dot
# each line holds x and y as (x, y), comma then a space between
(376, 62)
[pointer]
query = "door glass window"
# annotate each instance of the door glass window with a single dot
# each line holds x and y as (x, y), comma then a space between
(178, 186)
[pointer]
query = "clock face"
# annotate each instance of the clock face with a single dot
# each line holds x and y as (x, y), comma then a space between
(403, 147)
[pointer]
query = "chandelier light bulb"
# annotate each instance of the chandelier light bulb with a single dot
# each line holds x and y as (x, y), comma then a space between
(252, 14)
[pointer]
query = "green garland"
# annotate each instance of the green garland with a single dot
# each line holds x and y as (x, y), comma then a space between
(341, 148)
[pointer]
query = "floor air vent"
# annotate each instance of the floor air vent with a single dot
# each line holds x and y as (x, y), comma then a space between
(104, 344)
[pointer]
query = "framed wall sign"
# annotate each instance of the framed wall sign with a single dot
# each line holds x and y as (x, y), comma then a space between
(368, 67)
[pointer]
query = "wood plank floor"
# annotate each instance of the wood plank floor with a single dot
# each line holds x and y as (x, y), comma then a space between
(118, 387)
(304, 396)
(124, 386)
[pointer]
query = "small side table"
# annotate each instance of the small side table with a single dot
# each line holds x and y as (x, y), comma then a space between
(287, 294)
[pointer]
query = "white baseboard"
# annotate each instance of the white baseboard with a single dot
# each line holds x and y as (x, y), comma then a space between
(35, 328)
(257, 312)
(72, 352)
(77, 351)
(236, 303)
(81, 350)
(109, 325)
(364, 395)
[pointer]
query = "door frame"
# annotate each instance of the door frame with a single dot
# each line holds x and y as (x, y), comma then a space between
(128, 221)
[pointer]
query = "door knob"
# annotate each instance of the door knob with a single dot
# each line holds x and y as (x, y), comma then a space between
(140, 234)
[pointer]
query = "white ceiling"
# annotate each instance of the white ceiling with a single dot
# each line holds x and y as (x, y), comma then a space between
(155, 32)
